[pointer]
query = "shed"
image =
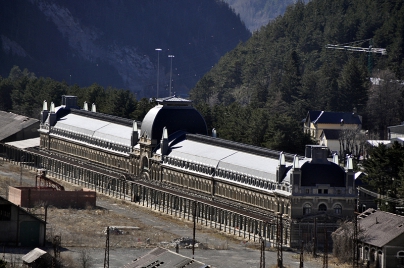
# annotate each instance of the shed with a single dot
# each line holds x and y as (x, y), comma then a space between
(20, 228)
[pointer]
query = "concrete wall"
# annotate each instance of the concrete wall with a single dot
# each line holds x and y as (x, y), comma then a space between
(31, 196)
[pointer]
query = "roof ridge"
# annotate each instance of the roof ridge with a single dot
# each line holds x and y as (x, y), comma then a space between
(105, 117)
(239, 146)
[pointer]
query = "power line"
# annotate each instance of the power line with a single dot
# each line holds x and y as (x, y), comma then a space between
(379, 196)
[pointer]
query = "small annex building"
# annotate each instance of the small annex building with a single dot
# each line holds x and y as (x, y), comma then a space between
(37, 258)
(18, 227)
(14, 127)
(381, 238)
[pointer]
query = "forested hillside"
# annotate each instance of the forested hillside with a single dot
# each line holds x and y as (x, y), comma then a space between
(257, 13)
(260, 91)
(113, 42)
(23, 93)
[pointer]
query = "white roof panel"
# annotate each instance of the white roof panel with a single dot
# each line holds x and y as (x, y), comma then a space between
(96, 128)
(23, 144)
(228, 159)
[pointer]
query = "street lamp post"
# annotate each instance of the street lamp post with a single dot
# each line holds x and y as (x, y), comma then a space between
(158, 69)
(171, 70)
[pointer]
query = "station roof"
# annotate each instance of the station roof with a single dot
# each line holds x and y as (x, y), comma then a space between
(96, 128)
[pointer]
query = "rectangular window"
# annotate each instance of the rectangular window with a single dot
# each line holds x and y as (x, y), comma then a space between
(5, 212)
(319, 191)
(307, 191)
(325, 191)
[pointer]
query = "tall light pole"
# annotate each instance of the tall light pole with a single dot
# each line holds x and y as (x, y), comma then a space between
(158, 70)
(171, 70)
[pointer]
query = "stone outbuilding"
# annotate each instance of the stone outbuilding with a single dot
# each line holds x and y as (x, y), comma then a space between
(20, 228)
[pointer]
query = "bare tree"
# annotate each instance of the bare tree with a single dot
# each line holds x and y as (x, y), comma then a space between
(85, 259)
(352, 141)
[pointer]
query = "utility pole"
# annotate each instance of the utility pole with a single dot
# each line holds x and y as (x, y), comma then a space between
(22, 159)
(279, 240)
(194, 230)
(325, 256)
(355, 257)
(301, 255)
(315, 239)
(106, 256)
(262, 258)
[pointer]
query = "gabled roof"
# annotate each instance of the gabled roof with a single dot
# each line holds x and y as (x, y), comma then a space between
(33, 255)
(12, 123)
(23, 211)
(322, 117)
(331, 134)
(162, 257)
(380, 227)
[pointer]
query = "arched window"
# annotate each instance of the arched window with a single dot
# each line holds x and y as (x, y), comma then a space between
(366, 254)
(400, 257)
(306, 209)
(322, 207)
(337, 209)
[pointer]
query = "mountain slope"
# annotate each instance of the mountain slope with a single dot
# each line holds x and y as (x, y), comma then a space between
(258, 13)
(113, 42)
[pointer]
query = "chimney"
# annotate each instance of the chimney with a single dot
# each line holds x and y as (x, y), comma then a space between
(135, 134)
(45, 112)
(214, 134)
(335, 159)
(164, 142)
(350, 174)
(295, 174)
(85, 107)
(52, 115)
(319, 154)
(93, 108)
(280, 170)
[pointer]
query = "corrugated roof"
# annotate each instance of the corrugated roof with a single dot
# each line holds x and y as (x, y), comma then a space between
(23, 144)
(225, 158)
(33, 255)
(96, 128)
(160, 257)
(380, 227)
(12, 123)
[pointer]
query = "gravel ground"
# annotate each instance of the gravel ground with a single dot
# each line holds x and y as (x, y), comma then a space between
(224, 251)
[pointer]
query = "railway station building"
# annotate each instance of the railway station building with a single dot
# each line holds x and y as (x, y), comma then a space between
(170, 162)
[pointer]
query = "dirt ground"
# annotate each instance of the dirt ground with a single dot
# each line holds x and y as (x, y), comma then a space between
(82, 232)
